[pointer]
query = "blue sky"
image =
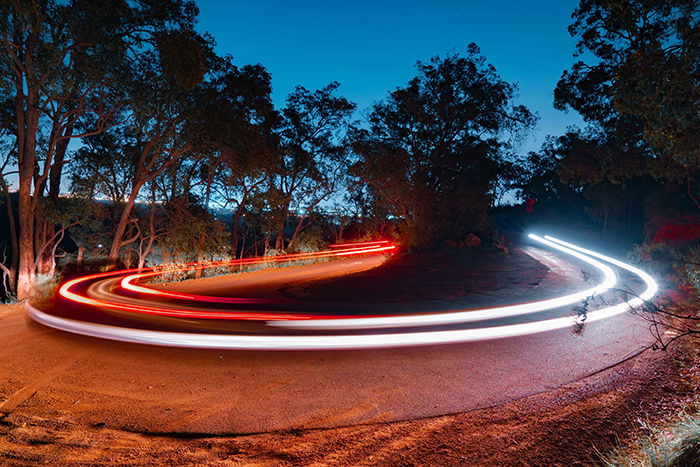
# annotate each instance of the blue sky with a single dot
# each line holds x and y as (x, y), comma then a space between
(371, 47)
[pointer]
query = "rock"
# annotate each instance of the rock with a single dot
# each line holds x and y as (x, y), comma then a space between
(472, 241)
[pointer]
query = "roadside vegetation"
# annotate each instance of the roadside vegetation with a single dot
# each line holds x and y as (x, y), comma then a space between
(673, 443)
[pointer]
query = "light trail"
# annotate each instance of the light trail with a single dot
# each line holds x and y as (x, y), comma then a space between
(128, 282)
(358, 244)
(466, 316)
(66, 290)
(652, 286)
(356, 341)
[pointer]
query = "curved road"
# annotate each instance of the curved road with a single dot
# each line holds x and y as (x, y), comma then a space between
(62, 376)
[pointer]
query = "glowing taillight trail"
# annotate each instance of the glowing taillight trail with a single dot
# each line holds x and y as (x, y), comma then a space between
(66, 292)
(358, 244)
(128, 282)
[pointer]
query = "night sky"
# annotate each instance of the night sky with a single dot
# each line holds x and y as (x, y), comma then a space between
(371, 47)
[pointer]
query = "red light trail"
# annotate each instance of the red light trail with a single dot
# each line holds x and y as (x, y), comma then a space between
(310, 324)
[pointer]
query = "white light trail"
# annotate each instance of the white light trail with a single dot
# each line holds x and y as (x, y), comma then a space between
(466, 316)
(354, 341)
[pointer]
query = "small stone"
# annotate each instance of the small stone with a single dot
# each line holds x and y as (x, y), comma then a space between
(472, 241)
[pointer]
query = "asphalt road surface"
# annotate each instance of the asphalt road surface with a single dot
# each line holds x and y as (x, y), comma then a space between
(62, 376)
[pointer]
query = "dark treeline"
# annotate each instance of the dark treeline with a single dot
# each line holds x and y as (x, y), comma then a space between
(636, 163)
(127, 134)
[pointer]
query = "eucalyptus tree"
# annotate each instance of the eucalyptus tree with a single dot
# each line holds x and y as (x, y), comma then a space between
(311, 155)
(240, 137)
(433, 152)
(8, 161)
(159, 101)
(63, 63)
(640, 78)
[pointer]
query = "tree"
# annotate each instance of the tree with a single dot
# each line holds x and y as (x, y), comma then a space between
(241, 138)
(8, 160)
(60, 61)
(645, 75)
(157, 137)
(434, 150)
(596, 173)
(311, 152)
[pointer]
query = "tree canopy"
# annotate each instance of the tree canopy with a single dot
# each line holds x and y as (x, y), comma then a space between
(434, 151)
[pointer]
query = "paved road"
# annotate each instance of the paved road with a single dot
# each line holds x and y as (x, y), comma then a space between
(61, 376)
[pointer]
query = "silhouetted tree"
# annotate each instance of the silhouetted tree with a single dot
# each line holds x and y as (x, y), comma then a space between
(311, 152)
(644, 79)
(60, 63)
(434, 151)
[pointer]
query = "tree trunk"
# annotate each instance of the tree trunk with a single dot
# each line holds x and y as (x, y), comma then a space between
(234, 233)
(202, 235)
(267, 244)
(43, 230)
(26, 107)
(200, 255)
(25, 276)
(81, 255)
(27, 158)
(242, 247)
(12, 231)
(121, 229)
(27, 118)
(46, 229)
(56, 172)
(339, 235)
(279, 241)
(297, 229)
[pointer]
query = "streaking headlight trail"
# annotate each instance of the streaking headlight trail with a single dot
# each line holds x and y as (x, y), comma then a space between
(467, 316)
(311, 325)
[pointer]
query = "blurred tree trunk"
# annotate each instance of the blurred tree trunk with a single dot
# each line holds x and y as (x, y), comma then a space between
(12, 230)
(211, 171)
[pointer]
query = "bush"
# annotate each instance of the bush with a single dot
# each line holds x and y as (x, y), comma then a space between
(662, 260)
(677, 445)
(692, 269)
(310, 239)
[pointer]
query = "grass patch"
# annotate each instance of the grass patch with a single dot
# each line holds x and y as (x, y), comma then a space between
(673, 445)
(670, 442)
